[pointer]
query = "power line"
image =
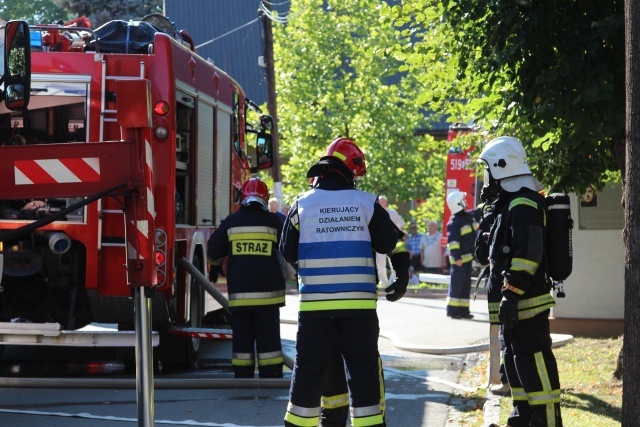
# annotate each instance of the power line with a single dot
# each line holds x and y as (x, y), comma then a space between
(275, 4)
(281, 18)
(227, 33)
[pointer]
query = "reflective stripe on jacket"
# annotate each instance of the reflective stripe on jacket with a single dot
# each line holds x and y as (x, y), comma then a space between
(249, 240)
(461, 237)
(517, 251)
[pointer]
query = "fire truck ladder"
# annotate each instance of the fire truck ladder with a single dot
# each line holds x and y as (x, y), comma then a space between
(110, 116)
(107, 115)
(103, 93)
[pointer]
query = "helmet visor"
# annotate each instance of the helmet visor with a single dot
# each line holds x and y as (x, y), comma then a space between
(487, 173)
(487, 176)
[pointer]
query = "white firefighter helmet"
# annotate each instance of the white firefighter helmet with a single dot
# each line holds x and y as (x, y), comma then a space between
(506, 160)
(456, 201)
(505, 157)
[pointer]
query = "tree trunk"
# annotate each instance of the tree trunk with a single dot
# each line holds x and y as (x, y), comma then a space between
(631, 232)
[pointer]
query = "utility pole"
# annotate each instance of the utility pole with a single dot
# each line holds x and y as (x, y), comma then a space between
(271, 102)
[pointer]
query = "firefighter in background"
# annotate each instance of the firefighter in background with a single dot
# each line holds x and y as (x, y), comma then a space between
(249, 240)
(516, 257)
(332, 231)
(461, 238)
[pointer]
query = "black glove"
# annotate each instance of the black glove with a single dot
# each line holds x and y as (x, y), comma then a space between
(508, 312)
(400, 263)
(214, 272)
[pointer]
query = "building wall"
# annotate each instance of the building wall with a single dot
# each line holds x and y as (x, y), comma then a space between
(237, 52)
(594, 302)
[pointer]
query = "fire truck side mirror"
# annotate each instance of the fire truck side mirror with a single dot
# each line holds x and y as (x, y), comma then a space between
(17, 65)
(264, 151)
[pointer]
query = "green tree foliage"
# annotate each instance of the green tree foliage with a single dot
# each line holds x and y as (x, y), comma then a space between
(32, 11)
(334, 79)
(548, 72)
(100, 12)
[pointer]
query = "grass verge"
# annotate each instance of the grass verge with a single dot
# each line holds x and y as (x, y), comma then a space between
(591, 397)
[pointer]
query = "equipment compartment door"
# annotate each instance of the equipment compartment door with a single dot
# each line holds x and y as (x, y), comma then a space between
(206, 166)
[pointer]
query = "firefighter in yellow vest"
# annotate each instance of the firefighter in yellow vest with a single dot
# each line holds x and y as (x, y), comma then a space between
(249, 240)
(516, 257)
(331, 232)
(461, 240)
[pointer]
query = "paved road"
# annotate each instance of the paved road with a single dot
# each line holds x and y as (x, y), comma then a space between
(419, 383)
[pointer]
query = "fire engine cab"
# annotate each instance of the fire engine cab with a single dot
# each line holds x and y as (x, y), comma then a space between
(121, 149)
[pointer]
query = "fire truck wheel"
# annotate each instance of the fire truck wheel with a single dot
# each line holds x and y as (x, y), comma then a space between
(179, 351)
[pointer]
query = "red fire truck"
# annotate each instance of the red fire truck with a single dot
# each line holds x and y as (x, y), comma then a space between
(131, 150)
(460, 173)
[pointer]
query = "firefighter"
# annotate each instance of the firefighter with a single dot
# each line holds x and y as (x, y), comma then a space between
(334, 402)
(516, 257)
(331, 232)
(497, 381)
(249, 240)
(461, 238)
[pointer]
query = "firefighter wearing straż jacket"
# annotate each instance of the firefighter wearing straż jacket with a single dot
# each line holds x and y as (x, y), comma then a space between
(331, 232)
(517, 265)
(461, 238)
(249, 240)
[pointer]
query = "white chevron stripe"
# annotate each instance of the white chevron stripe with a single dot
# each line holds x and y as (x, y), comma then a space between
(131, 251)
(148, 155)
(93, 162)
(151, 203)
(58, 171)
(143, 227)
(21, 179)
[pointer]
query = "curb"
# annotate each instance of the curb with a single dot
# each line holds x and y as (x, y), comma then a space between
(558, 340)
(491, 410)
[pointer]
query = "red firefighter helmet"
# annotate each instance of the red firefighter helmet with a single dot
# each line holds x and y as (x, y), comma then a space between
(347, 153)
(255, 190)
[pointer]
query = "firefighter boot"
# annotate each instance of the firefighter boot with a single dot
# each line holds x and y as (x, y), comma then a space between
(502, 389)
(539, 416)
(243, 371)
(270, 371)
(493, 371)
(334, 417)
